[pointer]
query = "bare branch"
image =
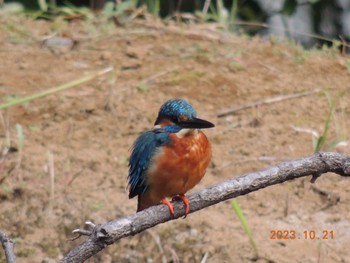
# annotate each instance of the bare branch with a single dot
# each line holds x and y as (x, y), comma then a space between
(7, 245)
(107, 234)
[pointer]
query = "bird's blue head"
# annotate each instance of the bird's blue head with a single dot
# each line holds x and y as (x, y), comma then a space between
(180, 113)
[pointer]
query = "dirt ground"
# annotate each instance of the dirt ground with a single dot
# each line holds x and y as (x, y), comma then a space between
(89, 130)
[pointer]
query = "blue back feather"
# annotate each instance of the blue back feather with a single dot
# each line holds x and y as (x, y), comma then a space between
(140, 159)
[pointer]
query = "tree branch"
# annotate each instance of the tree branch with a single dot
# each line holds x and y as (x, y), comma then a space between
(108, 233)
(7, 245)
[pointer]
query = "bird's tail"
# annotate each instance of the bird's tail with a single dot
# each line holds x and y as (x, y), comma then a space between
(140, 207)
(144, 201)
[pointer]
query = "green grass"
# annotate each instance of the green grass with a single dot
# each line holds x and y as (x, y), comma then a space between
(112, 9)
(323, 142)
(153, 6)
(19, 101)
(347, 65)
(238, 211)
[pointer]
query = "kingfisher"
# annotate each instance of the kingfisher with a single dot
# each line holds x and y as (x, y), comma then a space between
(170, 159)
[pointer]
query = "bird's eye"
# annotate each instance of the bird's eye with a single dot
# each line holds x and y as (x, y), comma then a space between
(174, 120)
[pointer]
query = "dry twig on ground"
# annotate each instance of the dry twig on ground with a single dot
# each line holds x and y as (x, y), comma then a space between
(266, 101)
(104, 235)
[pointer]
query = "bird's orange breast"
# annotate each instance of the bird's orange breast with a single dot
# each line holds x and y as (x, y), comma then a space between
(177, 168)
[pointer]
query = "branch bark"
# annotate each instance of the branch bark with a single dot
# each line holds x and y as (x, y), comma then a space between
(108, 233)
(7, 245)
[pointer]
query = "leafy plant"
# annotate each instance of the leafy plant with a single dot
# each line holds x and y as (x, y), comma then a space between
(233, 14)
(153, 6)
(216, 13)
(43, 5)
(323, 142)
(112, 9)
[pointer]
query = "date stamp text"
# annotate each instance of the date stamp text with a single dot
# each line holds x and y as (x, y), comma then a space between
(305, 234)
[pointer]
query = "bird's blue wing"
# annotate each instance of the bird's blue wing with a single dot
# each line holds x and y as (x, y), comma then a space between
(141, 156)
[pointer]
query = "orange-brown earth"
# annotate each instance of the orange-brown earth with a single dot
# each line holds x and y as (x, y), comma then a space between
(89, 131)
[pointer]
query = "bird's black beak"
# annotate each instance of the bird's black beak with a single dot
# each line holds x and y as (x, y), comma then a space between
(195, 123)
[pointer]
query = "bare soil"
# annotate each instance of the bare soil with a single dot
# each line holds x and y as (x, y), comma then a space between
(89, 130)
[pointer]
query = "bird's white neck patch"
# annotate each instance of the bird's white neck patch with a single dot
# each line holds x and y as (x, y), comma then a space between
(186, 132)
(182, 133)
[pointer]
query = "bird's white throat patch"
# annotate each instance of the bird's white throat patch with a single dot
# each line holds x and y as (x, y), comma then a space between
(182, 133)
(186, 132)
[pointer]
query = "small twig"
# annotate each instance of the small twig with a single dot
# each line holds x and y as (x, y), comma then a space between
(75, 176)
(20, 151)
(265, 102)
(286, 208)
(4, 148)
(206, 6)
(284, 29)
(333, 198)
(3, 155)
(5, 122)
(156, 238)
(83, 232)
(8, 246)
(344, 45)
(306, 130)
(51, 173)
(157, 75)
(175, 256)
(112, 86)
(177, 11)
(314, 177)
(205, 257)
(269, 67)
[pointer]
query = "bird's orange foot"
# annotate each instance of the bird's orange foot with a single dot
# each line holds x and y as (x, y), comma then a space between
(169, 205)
(185, 201)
